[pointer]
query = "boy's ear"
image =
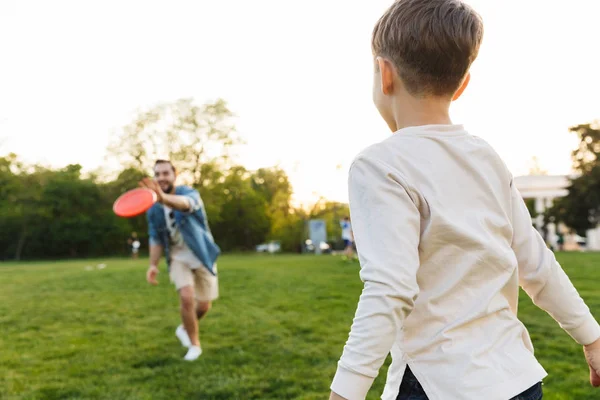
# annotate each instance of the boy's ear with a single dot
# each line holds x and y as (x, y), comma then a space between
(462, 87)
(387, 72)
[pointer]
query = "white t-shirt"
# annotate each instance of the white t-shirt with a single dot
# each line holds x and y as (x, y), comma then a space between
(445, 240)
(179, 250)
(174, 232)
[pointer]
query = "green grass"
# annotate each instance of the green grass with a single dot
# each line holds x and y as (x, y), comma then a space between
(275, 333)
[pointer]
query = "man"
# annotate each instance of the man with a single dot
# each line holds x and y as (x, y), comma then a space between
(348, 238)
(177, 226)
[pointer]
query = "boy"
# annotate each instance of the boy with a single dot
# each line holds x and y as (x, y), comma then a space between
(443, 236)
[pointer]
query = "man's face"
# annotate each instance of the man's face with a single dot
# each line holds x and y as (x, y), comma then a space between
(165, 176)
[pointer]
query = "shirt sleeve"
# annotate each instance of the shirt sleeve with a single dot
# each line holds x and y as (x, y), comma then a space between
(194, 199)
(544, 280)
(152, 233)
(386, 225)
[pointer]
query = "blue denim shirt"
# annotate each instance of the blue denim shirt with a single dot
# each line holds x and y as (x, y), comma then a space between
(193, 226)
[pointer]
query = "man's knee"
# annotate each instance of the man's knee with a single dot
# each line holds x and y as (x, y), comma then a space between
(203, 307)
(186, 297)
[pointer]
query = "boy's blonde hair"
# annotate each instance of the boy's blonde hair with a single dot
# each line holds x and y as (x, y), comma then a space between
(432, 43)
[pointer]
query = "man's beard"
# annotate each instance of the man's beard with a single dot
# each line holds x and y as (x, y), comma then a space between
(169, 189)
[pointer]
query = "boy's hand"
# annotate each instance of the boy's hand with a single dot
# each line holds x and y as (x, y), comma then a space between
(592, 355)
(335, 396)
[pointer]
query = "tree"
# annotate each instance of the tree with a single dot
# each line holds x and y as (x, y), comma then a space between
(241, 221)
(289, 229)
(271, 183)
(56, 213)
(20, 204)
(191, 136)
(580, 209)
(535, 167)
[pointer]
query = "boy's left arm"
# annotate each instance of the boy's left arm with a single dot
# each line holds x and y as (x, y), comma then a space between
(386, 225)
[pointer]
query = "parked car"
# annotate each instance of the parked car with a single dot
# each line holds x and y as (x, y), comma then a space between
(309, 247)
(273, 246)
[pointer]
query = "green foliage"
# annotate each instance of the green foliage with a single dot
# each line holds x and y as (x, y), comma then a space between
(580, 209)
(289, 228)
(48, 213)
(190, 135)
(241, 222)
(60, 213)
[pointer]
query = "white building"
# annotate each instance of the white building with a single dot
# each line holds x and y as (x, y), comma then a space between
(544, 189)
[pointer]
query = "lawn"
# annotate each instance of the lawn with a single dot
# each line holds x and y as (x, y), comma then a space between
(275, 333)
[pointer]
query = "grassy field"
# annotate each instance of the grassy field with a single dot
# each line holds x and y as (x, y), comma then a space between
(275, 333)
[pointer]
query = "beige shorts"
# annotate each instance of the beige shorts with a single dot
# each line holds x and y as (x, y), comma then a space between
(205, 284)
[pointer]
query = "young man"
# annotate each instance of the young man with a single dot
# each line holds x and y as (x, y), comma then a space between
(443, 235)
(347, 237)
(177, 226)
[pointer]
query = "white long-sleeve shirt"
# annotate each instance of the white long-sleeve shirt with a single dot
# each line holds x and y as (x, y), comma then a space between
(445, 240)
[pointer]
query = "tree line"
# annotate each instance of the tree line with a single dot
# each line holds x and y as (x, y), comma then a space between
(61, 213)
(58, 213)
(580, 209)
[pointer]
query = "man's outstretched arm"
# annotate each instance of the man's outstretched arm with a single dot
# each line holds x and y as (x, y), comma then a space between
(174, 201)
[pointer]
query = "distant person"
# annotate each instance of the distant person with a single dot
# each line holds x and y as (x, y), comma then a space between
(443, 235)
(347, 237)
(134, 243)
(560, 241)
(177, 226)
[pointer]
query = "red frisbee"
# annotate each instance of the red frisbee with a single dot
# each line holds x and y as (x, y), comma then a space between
(134, 202)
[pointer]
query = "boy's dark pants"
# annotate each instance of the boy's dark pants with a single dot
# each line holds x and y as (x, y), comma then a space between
(411, 389)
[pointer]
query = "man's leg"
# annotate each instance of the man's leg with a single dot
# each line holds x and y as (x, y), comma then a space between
(352, 253)
(188, 313)
(348, 253)
(206, 288)
(345, 253)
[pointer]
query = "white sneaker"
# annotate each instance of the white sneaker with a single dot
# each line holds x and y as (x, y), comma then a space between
(183, 337)
(193, 353)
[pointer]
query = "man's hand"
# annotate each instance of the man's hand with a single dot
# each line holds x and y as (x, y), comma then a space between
(592, 355)
(154, 186)
(151, 275)
(335, 396)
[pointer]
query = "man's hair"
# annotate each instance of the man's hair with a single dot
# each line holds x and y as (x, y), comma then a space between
(432, 43)
(165, 162)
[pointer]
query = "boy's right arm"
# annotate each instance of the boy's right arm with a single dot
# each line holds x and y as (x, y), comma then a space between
(543, 279)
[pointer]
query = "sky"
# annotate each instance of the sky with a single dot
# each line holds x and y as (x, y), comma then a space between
(298, 76)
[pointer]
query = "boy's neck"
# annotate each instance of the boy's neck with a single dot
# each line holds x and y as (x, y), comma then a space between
(410, 111)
